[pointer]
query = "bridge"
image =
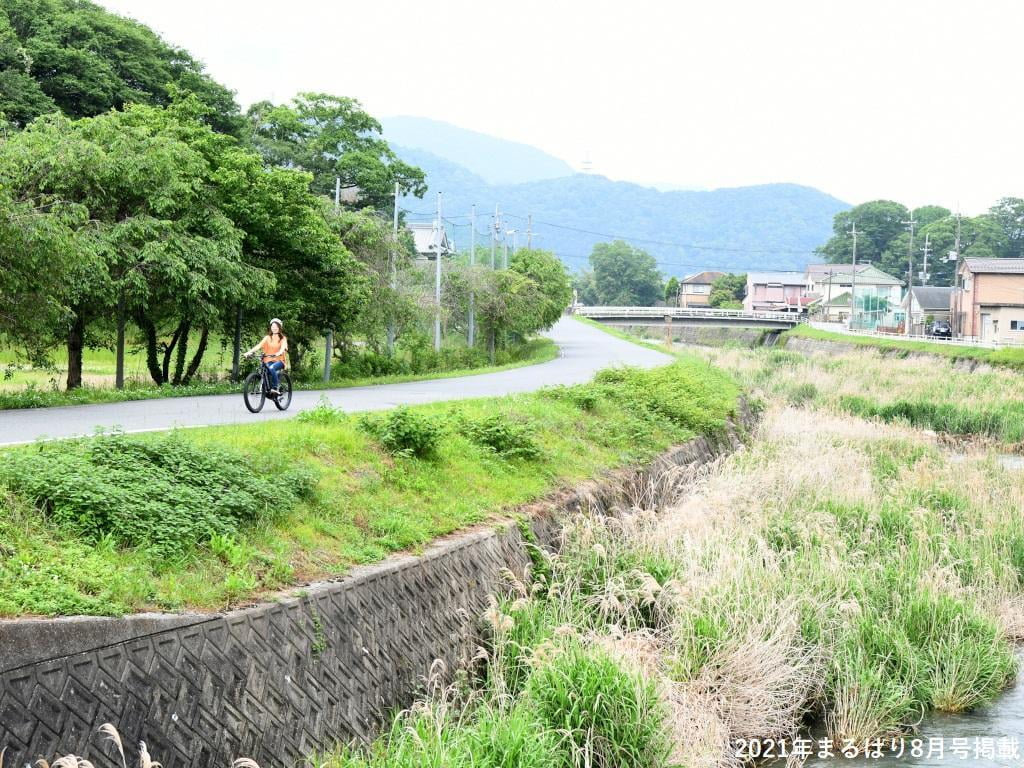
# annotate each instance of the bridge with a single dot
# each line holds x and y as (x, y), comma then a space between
(661, 316)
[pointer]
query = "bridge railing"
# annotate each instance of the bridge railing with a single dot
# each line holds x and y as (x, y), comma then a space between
(682, 312)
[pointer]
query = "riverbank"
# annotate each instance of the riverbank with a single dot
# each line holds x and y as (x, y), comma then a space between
(833, 571)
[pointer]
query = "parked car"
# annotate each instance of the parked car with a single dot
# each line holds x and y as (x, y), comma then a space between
(940, 329)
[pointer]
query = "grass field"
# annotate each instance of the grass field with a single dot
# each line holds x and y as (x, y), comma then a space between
(210, 517)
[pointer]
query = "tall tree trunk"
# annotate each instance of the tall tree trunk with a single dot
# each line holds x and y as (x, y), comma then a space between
(76, 342)
(152, 358)
(179, 361)
(168, 352)
(197, 358)
(119, 365)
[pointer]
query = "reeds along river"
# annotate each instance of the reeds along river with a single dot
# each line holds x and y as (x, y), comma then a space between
(989, 737)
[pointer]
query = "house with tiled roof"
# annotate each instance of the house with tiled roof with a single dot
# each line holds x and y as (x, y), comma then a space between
(425, 237)
(989, 302)
(927, 303)
(877, 292)
(695, 290)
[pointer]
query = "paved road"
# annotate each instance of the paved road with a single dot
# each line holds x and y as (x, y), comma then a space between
(583, 351)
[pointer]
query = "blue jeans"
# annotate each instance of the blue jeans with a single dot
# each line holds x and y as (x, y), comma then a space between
(275, 368)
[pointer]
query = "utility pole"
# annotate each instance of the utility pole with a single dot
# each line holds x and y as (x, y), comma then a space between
(957, 287)
(504, 249)
(439, 237)
(910, 272)
(853, 280)
(393, 268)
(529, 231)
(496, 222)
(828, 301)
(471, 340)
(926, 251)
(329, 335)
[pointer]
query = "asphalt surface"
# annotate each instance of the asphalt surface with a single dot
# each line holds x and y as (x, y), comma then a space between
(583, 350)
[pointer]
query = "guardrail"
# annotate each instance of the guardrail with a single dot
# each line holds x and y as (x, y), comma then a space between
(955, 341)
(708, 313)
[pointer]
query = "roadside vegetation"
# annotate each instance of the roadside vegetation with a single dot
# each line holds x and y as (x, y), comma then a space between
(211, 517)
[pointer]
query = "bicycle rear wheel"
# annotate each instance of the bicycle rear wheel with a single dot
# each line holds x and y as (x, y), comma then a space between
(284, 386)
(252, 392)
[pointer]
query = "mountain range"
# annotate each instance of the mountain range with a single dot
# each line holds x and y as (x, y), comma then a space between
(771, 226)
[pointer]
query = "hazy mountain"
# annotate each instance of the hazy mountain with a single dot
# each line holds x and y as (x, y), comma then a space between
(495, 160)
(773, 226)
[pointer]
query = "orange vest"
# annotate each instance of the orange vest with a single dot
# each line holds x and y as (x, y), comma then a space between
(272, 349)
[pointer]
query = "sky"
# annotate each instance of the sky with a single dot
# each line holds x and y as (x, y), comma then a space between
(909, 100)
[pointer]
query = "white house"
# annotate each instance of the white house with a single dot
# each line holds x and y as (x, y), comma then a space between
(424, 234)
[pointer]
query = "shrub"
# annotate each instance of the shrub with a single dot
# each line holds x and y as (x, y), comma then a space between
(690, 394)
(404, 432)
(503, 434)
(161, 493)
(606, 716)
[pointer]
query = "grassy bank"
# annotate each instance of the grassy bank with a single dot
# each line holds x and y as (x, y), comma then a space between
(834, 570)
(921, 391)
(31, 395)
(1008, 357)
(207, 518)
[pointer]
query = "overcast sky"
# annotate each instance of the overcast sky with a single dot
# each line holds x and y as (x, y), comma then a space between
(910, 100)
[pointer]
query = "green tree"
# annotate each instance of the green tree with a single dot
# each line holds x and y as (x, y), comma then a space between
(507, 301)
(76, 57)
(879, 222)
(156, 245)
(552, 279)
(727, 291)
(36, 248)
(672, 291)
(585, 287)
(333, 137)
(1008, 213)
(980, 237)
(624, 275)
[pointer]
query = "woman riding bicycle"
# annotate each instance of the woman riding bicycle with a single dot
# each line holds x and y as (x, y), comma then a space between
(274, 347)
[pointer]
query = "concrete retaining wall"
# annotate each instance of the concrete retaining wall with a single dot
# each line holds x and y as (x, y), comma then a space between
(705, 335)
(279, 680)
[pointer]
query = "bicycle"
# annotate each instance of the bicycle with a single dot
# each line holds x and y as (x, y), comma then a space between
(257, 390)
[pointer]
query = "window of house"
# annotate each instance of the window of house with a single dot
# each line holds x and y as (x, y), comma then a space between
(1017, 325)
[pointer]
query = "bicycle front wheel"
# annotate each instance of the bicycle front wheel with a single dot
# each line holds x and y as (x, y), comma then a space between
(252, 392)
(284, 386)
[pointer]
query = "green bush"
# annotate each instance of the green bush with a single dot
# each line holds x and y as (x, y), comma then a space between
(161, 493)
(607, 716)
(503, 434)
(690, 393)
(405, 432)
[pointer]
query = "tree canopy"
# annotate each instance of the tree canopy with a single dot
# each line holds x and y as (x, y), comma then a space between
(883, 237)
(625, 275)
(727, 291)
(75, 57)
(333, 137)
